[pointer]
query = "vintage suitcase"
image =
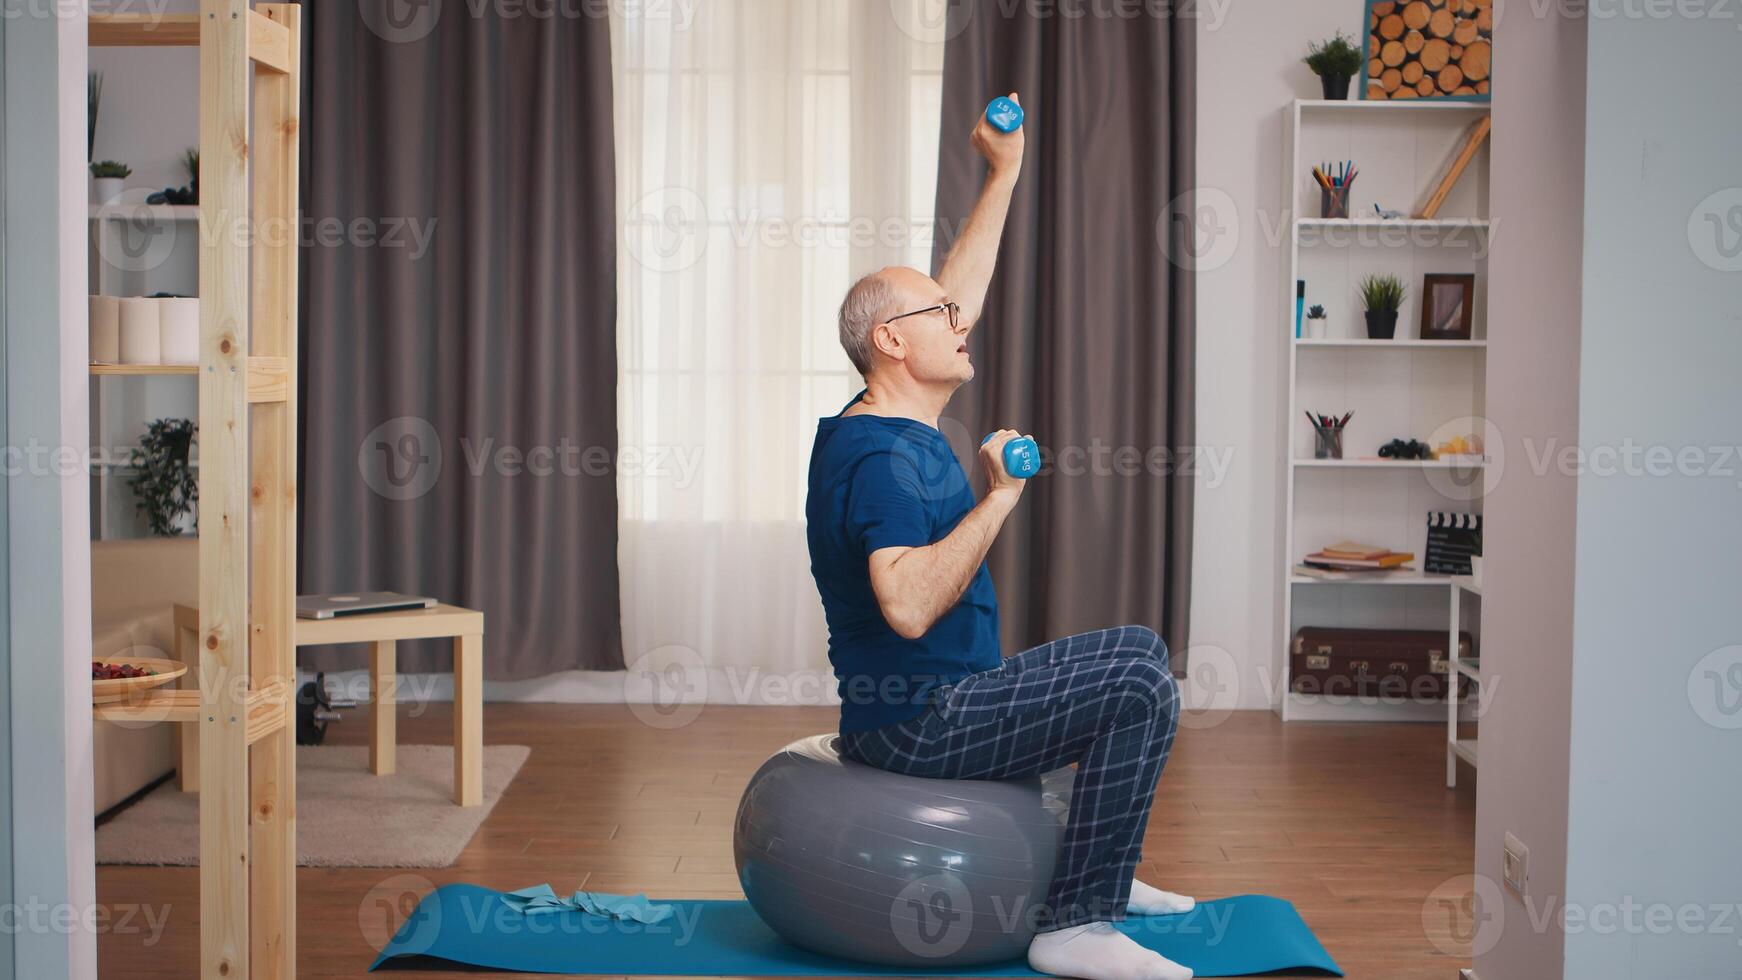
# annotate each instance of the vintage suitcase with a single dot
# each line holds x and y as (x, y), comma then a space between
(1382, 663)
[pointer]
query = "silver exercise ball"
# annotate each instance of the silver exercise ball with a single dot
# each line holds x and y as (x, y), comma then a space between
(852, 861)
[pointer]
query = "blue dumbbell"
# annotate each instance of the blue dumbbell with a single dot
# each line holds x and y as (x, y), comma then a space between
(1004, 115)
(1021, 456)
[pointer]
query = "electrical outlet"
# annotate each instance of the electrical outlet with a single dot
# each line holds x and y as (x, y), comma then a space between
(1515, 865)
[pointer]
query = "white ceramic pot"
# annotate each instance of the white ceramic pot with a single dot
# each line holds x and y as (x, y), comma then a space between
(107, 190)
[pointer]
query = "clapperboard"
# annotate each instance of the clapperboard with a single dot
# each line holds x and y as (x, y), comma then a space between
(1451, 540)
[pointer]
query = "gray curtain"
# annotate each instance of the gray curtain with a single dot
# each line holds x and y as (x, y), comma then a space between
(1086, 340)
(458, 388)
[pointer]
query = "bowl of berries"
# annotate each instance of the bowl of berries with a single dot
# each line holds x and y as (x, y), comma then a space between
(117, 679)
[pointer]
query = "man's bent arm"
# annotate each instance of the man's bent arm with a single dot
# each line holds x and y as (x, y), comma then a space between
(915, 587)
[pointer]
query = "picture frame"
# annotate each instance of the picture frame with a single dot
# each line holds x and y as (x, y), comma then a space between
(1427, 49)
(1447, 305)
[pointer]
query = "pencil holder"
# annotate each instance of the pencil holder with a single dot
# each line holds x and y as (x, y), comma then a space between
(1334, 204)
(1327, 443)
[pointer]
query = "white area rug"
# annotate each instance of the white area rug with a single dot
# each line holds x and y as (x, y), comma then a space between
(345, 817)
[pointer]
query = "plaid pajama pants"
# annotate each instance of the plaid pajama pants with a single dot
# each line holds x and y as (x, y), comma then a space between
(1104, 700)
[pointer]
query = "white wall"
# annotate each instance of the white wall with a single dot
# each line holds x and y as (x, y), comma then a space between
(150, 111)
(1614, 748)
(46, 188)
(1248, 70)
(1656, 757)
(149, 114)
(1533, 401)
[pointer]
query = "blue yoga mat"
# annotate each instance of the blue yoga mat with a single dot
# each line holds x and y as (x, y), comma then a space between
(469, 925)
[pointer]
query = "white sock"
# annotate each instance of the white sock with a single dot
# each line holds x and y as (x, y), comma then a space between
(1097, 951)
(1149, 900)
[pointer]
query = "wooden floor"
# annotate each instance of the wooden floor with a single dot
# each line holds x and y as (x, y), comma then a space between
(1352, 823)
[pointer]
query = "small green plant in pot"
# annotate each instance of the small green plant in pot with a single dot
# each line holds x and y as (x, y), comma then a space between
(1335, 62)
(1315, 321)
(108, 180)
(1383, 297)
(164, 478)
(190, 194)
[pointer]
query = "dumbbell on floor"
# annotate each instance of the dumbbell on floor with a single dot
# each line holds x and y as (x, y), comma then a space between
(1021, 456)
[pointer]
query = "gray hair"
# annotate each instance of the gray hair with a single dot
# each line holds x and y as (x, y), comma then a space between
(867, 303)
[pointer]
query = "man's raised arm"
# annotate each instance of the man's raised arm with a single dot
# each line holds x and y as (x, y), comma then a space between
(968, 268)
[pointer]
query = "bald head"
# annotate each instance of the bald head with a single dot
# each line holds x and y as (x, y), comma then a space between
(874, 299)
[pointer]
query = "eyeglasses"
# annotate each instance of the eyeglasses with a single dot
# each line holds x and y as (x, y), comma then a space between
(952, 309)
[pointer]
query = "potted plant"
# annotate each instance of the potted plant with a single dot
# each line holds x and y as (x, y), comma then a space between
(1315, 321)
(1383, 297)
(164, 478)
(93, 98)
(1335, 62)
(107, 181)
(190, 162)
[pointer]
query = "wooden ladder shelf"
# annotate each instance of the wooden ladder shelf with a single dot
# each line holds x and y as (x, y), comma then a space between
(241, 705)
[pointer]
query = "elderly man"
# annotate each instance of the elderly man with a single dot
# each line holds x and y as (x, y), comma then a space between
(898, 548)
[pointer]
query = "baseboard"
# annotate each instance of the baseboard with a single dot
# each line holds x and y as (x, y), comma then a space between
(134, 797)
(745, 686)
(735, 686)
(1336, 708)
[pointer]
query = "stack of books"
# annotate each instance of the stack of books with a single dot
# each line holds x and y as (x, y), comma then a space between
(1350, 558)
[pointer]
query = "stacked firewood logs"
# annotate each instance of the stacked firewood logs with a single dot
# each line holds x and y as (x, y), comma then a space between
(1429, 48)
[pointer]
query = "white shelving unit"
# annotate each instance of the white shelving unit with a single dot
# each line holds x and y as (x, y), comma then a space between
(136, 249)
(1401, 224)
(1454, 345)
(1393, 465)
(125, 211)
(1406, 387)
(1457, 747)
(1394, 580)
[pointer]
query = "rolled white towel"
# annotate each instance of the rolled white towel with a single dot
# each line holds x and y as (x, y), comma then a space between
(141, 331)
(105, 329)
(181, 329)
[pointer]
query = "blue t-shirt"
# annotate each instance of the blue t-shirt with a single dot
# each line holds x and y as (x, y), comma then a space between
(876, 483)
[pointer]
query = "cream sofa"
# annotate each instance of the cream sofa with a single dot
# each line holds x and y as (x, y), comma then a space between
(134, 585)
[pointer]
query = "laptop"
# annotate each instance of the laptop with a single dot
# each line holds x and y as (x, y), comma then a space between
(337, 604)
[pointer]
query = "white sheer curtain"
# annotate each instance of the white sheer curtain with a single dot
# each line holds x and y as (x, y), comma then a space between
(768, 151)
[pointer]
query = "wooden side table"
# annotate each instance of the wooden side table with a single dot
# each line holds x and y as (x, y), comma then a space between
(382, 631)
